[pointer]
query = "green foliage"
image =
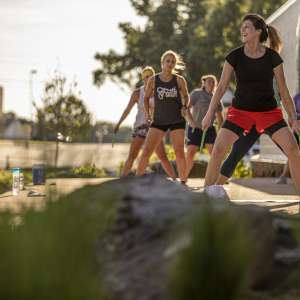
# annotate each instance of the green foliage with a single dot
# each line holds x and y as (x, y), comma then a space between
(5, 181)
(216, 263)
(120, 168)
(85, 171)
(242, 170)
(89, 170)
(63, 112)
(51, 254)
(201, 31)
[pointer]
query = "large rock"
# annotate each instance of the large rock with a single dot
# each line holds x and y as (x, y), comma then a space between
(138, 252)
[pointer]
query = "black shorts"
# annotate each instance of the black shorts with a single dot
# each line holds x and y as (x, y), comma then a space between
(170, 127)
(194, 136)
(240, 131)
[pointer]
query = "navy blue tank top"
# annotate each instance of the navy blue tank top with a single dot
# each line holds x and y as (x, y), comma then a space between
(167, 102)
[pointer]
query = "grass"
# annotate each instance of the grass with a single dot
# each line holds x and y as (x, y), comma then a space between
(51, 254)
(216, 263)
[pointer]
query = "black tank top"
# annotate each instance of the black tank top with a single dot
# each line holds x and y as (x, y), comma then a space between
(167, 102)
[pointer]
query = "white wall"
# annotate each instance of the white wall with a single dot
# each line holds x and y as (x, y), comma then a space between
(26, 154)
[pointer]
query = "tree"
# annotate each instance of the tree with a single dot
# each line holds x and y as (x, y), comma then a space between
(202, 31)
(63, 112)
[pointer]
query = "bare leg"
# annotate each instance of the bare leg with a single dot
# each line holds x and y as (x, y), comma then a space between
(177, 139)
(135, 147)
(162, 155)
(286, 140)
(209, 147)
(224, 140)
(191, 151)
(154, 137)
(222, 179)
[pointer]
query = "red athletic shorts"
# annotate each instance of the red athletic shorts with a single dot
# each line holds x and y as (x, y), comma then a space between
(261, 119)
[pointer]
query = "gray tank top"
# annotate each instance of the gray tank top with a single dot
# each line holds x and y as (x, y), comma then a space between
(167, 102)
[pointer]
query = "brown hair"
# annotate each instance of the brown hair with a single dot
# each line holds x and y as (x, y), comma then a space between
(179, 63)
(267, 31)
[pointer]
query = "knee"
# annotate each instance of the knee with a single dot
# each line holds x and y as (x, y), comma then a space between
(218, 151)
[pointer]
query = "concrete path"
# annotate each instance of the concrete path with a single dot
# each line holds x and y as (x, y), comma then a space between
(258, 191)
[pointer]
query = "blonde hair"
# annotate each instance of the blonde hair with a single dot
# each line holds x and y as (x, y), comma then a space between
(179, 63)
(209, 76)
(147, 71)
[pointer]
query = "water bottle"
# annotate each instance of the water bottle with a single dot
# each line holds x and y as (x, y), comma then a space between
(16, 181)
(38, 174)
(21, 181)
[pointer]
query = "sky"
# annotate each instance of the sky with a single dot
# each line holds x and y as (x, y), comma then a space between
(65, 34)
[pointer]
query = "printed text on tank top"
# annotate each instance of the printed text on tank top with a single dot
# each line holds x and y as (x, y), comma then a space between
(164, 93)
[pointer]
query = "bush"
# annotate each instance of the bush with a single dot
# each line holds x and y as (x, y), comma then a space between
(52, 254)
(215, 264)
(5, 181)
(89, 170)
(120, 169)
(86, 171)
(242, 170)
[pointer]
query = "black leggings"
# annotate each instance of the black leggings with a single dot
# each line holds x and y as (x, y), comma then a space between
(238, 151)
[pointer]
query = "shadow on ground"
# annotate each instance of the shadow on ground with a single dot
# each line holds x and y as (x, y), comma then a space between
(267, 185)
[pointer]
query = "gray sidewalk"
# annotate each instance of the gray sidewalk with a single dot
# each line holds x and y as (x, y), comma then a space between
(258, 191)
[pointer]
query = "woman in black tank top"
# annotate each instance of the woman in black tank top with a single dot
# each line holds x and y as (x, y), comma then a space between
(170, 104)
(140, 132)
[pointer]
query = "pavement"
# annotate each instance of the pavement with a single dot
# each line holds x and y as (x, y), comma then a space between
(257, 191)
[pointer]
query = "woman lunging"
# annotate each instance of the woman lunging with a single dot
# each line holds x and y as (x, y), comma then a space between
(254, 104)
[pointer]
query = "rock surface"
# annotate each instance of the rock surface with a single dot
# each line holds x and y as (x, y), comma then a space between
(138, 252)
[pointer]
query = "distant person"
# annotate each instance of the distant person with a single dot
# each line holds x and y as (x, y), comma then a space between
(141, 127)
(199, 102)
(170, 105)
(254, 104)
(286, 170)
